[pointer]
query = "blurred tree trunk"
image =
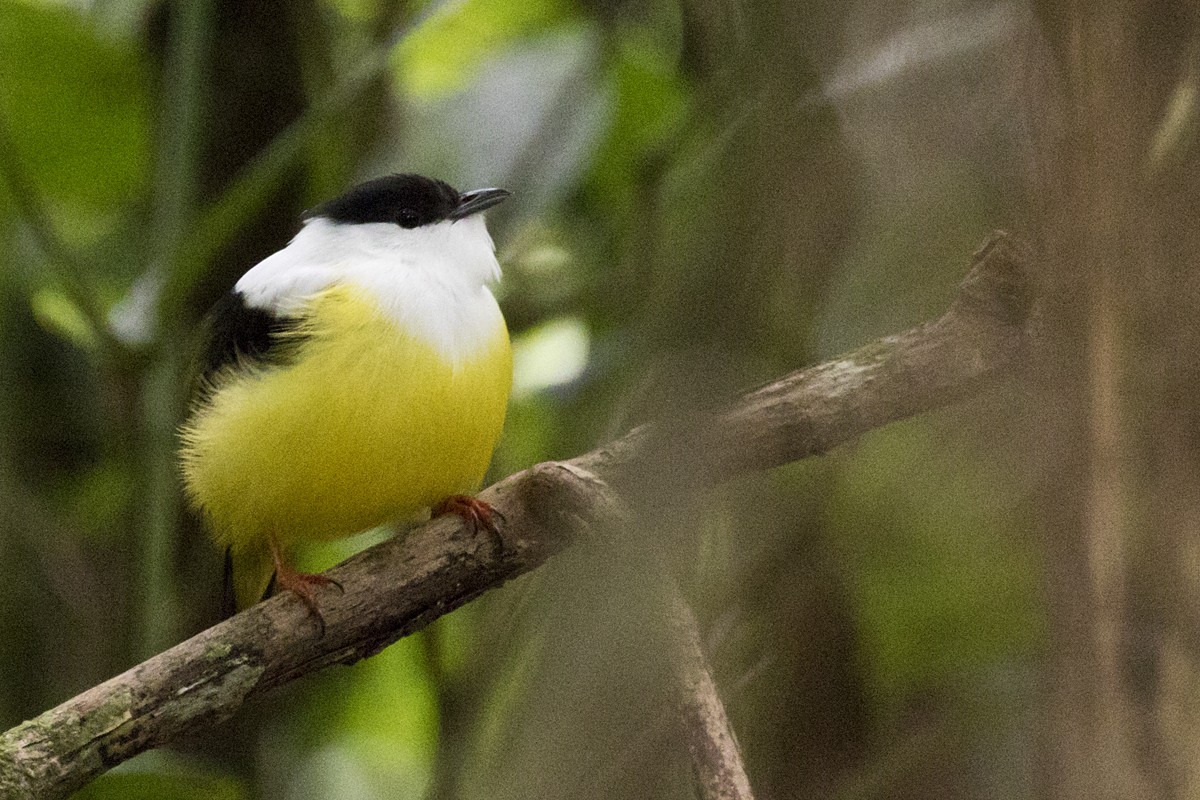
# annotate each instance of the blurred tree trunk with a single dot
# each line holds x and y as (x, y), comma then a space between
(1119, 401)
(253, 93)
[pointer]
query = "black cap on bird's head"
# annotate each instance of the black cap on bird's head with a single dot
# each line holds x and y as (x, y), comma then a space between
(407, 200)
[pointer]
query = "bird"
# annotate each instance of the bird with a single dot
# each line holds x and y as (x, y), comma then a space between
(356, 377)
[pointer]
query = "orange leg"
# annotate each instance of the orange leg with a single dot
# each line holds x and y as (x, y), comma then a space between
(478, 514)
(300, 584)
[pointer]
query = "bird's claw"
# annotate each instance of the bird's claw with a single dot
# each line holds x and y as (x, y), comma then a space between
(477, 513)
(302, 585)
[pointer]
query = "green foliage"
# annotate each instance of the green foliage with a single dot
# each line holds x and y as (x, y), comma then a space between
(941, 589)
(77, 106)
(180, 785)
(56, 313)
(650, 107)
(446, 54)
(392, 712)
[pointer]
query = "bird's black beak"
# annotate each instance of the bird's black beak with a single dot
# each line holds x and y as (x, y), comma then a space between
(477, 200)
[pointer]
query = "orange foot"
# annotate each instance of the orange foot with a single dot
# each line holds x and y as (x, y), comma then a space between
(478, 514)
(301, 584)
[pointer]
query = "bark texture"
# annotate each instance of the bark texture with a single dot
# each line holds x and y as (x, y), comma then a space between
(717, 764)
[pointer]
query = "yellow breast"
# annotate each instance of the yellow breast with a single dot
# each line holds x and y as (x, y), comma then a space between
(366, 424)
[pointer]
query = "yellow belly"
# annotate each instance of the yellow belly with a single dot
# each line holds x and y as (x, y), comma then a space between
(365, 425)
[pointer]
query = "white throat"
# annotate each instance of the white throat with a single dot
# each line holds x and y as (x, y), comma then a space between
(432, 281)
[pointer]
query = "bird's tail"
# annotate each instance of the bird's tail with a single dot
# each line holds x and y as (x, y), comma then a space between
(249, 574)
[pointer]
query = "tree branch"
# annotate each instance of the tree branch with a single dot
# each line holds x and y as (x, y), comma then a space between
(716, 758)
(403, 584)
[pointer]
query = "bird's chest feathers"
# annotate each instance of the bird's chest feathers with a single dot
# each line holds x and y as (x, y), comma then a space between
(382, 409)
(432, 339)
(459, 322)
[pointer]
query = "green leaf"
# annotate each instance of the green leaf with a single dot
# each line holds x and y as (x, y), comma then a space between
(652, 101)
(393, 708)
(77, 106)
(942, 585)
(445, 53)
(652, 95)
(160, 786)
(58, 314)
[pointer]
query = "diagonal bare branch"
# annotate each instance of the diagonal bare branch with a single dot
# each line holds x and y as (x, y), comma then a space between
(716, 758)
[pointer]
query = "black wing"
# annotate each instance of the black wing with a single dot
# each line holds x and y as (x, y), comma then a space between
(240, 332)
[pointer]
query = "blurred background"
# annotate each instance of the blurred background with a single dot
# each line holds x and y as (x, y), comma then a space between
(996, 600)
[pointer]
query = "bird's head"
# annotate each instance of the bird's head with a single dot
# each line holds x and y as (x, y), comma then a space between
(409, 202)
(412, 220)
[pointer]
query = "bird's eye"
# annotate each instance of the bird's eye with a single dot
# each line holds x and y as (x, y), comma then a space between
(407, 218)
